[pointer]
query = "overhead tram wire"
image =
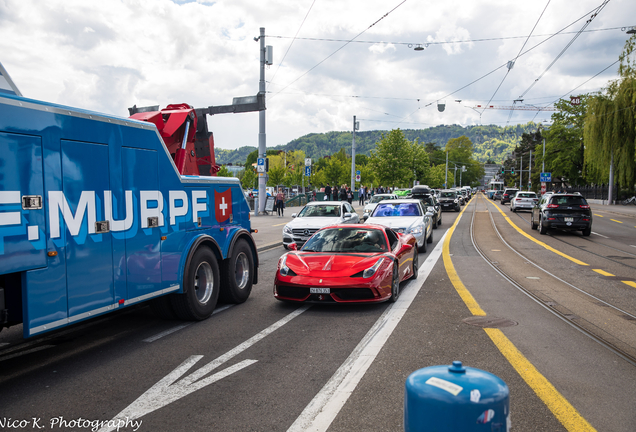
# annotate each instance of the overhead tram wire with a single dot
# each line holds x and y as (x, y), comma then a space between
(510, 66)
(522, 54)
(575, 88)
(344, 45)
(292, 42)
(587, 23)
(438, 42)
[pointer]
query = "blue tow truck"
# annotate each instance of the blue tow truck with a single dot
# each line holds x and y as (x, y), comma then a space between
(95, 217)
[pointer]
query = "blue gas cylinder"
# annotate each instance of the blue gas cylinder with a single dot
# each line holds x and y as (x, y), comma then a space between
(455, 398)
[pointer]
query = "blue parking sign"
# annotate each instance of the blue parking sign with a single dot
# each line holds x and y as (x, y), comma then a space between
(545, 177)
(307, 171)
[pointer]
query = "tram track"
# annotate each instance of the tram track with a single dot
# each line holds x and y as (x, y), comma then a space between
(603, 322)
(631, 255)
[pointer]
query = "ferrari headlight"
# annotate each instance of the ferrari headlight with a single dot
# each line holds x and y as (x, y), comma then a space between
(284, 270)
(415, 230)
(371, 270)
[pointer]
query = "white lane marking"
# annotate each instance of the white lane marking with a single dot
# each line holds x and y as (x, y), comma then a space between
(21, 353)
(182, 326)
(325, 406)
(633, 245)
(4, 343)
(168, 390)
(600, 235)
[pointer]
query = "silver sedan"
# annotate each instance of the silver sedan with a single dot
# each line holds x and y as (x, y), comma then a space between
(405, 216)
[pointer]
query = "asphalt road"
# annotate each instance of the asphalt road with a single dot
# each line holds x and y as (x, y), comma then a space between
(270, 366)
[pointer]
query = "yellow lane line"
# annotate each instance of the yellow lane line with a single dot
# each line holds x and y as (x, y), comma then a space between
(603, 272)
(284, 223)
(569, 417)
(598, 215)
(614, 220)
(630, 283)
(540, 243)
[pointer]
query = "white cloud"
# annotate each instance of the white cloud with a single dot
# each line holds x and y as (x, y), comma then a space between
(109, 55)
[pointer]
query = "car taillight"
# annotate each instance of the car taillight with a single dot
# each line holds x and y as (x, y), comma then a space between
(552, 206)
(517, 199)
(586, 207)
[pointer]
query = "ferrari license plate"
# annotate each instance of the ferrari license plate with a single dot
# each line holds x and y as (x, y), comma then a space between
(319, 290)
(569, 219)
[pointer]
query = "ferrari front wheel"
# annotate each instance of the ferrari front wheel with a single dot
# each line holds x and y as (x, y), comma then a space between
(416, 264)
(395, 284)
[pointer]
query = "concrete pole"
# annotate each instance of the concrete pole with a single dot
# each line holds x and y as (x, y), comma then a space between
(446, 172)
(530, 172)
(521, 175)
(610, 191)
(353, 157)
(262, 147)
(543, 159)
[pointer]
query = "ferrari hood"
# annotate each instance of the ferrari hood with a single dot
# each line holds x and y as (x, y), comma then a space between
(317, 264)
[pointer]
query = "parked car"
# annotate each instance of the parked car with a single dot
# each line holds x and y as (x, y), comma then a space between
(523, 200)
(355, 263)
(375, 199)
(497, 195)
(508, 194)
(562, 211)
(448, 200)
(405, 216)
(315, 215)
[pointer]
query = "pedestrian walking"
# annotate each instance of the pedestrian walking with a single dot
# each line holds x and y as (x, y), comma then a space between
(361, 193)
(280, 202)
(328, 192)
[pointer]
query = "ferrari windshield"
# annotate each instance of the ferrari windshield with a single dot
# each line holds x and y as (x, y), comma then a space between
(347, 240)
(397, 209)
(323, 210)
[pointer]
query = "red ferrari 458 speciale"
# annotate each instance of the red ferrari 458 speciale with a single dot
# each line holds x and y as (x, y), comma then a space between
(346, 264)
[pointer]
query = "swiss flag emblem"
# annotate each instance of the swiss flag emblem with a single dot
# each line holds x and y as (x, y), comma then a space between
(223, 205)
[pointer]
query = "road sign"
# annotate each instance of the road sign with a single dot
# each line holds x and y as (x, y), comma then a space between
(358, 177)
(307, 161)
(357, 172)
(546, 177)
(260, 165)
(543, 188)
(307, 171)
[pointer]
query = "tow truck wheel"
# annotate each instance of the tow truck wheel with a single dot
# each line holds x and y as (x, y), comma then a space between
(238, 274)
(202, 283)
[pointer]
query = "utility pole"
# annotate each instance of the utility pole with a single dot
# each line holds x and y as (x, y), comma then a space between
(262, 147)
(521, 174)
(530, 172)
(446, 172)
(356, 125)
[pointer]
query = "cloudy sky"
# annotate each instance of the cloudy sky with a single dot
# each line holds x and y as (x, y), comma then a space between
(333, 59)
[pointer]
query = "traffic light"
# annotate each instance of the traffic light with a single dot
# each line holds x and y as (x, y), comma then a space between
(503, 170)
(266, 164)
(513, 170)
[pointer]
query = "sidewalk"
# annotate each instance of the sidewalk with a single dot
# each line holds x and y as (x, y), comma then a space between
(270, 227)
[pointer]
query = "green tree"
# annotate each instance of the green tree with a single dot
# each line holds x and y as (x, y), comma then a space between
(419, 163)
(564, 145)
(610, 127)
(388, 159)
(224, 172)
(436, 176)
(249, 179)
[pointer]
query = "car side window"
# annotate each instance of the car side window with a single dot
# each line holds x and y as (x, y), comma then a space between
(393, 240)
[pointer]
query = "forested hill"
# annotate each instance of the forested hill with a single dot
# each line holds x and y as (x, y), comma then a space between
(490, 142)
